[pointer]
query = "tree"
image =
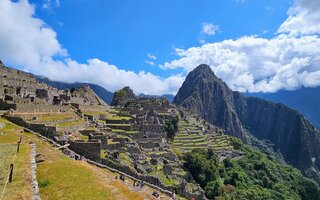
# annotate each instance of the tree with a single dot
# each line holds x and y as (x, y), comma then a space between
(212, 188)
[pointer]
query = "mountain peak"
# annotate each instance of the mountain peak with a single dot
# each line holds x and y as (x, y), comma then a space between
(203, 68)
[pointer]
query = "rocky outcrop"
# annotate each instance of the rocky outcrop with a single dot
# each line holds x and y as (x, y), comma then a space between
(87, 94)
(287, 129)
(123, 96)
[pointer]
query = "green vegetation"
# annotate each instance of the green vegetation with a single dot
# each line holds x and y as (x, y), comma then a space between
(120, 93)
(171, 126)
(158, 172)
(123, 131)
(119, 118)
(60, 177)
(70, 123)
(103, 153)
(9, 135)
(252, 176)
(96, 113)
(119, 125)
(83, 137)
(54, 117)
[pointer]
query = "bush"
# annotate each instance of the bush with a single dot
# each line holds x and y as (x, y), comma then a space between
(212, 189)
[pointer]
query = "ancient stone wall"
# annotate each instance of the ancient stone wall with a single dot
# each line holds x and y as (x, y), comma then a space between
(150, 179)
(90, 149)
(7, 106)
(99, 136)
(38, 108)
(47, 131)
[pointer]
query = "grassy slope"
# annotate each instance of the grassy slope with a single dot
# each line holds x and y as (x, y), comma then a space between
(62, 178)
(21, 174)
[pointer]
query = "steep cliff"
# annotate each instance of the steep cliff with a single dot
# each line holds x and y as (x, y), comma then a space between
(295, 137)
(211, 98)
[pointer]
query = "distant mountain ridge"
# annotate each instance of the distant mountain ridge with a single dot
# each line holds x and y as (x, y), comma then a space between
(295, 137)
(104, 94)
(305, 100)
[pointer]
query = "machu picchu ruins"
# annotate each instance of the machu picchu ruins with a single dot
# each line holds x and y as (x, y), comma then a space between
(145, 145)
(131, 136)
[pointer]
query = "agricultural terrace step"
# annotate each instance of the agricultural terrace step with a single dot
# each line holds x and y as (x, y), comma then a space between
(190, 139)
(185, 137)
(191, 148)
(220, 143)
(222, 148)
(191, 144)
(187, 134)
(219, 150)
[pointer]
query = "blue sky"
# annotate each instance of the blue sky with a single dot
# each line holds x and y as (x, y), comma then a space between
(253, 45)
(124, 32)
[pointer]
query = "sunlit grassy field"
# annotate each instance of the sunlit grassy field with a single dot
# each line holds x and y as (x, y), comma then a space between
(60, 177)
(20, 187)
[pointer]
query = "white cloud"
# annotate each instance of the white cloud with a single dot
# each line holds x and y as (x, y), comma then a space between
(209, 29)
(201, 41)
(149, 62)
(151, 56)
(257, 64)
(304, 18)
(289, 60)
(26, 41)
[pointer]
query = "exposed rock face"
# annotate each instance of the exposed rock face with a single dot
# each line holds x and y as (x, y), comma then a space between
(121, 97)
(211, 98)
(87, 94)
(288, 130)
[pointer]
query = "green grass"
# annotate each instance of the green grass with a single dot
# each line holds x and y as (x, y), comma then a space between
(123, 131)
(103, 153)
(60, 177)
(119, 125)
(119, 118)
(84, 137)
(158, 172)
(125, 158)
(7, 153)
(71, 123)
(21, 177)
(53, 117)
(9, 135)
(95, 113)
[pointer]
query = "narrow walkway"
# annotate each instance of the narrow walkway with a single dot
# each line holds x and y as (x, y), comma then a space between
(35, 188)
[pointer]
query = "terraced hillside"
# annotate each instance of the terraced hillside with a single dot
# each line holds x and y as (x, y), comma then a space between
(194, 133)
(82, 180)
(190, 135)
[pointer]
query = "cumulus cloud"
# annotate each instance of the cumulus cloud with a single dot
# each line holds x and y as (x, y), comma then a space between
(209, 28)
(151, 56)
(304, 18)
(26, 41)
(289, 60)
(149, 62)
